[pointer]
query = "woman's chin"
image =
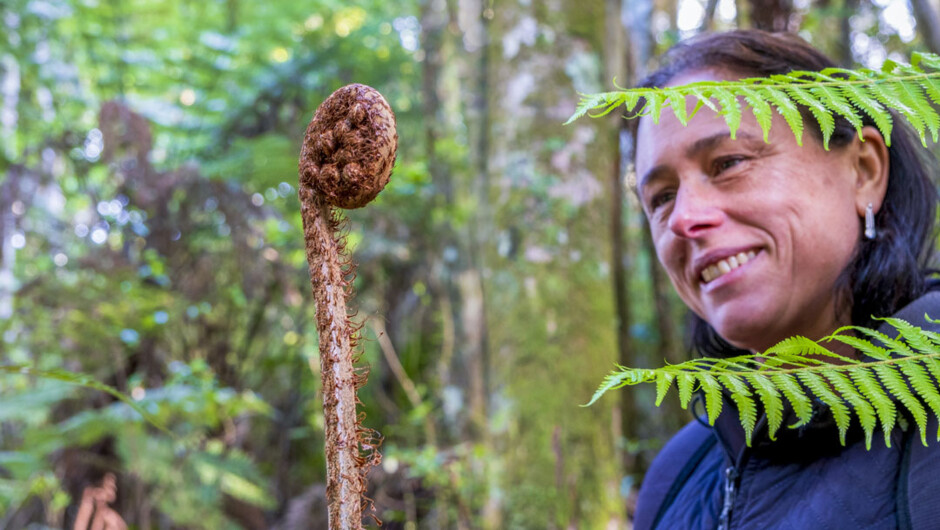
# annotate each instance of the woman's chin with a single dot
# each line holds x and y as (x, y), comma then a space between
(747, 332)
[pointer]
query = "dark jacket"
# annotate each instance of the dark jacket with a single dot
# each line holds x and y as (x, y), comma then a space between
(804, 480)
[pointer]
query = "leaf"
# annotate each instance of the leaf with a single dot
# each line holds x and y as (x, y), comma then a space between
(712, 391)
(730, 110)
(788, 110)
(896, 384)
(924, 386)
(884, 406)
(888, 95)
(911, 90)
(802, 406)
(741, 396)
(663, 382)
(686, 384)
(761, 110)
(654, 105)
(911, 334)
(863, 410)
(677, 103)
(859, 96)
(823, 115)
(906, 371)
(86, 381)
(626, 376)
(861, 345)
(893, 345)
(821, 390)
(833, 99)
(770, 398)
(913, 95)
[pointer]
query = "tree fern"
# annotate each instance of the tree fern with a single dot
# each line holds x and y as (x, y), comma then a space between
(910, 89)
(894, 371)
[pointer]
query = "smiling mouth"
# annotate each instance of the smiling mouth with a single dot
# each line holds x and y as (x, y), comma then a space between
(724, 266)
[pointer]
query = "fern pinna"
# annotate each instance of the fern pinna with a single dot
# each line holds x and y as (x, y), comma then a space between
(909, 89)
(901, 371)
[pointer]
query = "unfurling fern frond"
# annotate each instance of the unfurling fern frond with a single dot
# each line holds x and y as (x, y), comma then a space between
(911, 89)
(903, 371)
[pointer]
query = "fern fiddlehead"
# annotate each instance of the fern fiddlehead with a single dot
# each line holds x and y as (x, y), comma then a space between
(346, 160)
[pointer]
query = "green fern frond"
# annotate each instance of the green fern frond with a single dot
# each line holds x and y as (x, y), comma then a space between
(893, 371)
(82, 380)
(910, 89)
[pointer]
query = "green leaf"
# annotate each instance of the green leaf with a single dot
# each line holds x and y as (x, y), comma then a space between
(802, 406)
(926, 389)
(908, 89)
(787, 109)
(654, 105)
(884, 406)
(677, 103)
(770, 398)
(833, 99)
(86, 381)
(741, 395)
(863, 410)
(761, 110)
(823, 115)
(730, 110)
(626, 376)
(898, 387)
(686, 383)
(663, 382)
(906, 371)
(712, 391)
(821, 390)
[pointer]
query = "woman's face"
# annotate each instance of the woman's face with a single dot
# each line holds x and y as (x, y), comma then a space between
(754, 235)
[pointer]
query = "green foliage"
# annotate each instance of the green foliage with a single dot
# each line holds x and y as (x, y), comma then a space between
(84, 380)
(909, 89)
(903, 372)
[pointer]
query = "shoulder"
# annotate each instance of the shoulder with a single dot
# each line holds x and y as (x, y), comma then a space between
(671, 468)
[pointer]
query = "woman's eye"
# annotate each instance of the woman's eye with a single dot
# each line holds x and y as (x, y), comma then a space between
(723, 164)
(660, 199)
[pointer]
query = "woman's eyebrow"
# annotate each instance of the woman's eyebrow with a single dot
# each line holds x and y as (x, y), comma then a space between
(714, 140)
(702, 144)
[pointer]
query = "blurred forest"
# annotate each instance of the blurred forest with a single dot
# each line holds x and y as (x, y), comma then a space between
(151, 238)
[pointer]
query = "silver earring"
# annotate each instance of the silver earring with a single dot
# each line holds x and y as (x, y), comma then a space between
(869, 222)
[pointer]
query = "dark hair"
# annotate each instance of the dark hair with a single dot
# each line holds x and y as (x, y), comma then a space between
(886, 273)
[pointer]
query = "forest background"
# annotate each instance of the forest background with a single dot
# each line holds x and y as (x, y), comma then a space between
(151, 238)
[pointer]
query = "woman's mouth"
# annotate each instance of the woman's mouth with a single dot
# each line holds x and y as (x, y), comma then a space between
(726, 265)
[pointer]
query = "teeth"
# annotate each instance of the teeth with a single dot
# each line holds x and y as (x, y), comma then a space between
(727, 265)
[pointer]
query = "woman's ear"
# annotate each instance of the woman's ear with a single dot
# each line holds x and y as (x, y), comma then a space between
(871, 164)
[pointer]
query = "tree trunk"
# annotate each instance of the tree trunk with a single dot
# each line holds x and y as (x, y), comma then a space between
(771, 15)
(928, 24)
(844, 47)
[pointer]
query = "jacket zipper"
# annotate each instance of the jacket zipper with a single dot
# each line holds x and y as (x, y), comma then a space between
(731, 477)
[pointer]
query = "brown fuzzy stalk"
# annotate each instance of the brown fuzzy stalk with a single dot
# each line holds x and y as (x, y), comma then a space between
(346, 160)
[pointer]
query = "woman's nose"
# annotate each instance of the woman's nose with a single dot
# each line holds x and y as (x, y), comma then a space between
(694, 213)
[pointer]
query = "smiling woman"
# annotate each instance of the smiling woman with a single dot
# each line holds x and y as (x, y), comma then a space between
(792, 212)
(764, 240)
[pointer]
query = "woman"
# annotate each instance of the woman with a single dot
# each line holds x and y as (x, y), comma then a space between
(766, 240)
